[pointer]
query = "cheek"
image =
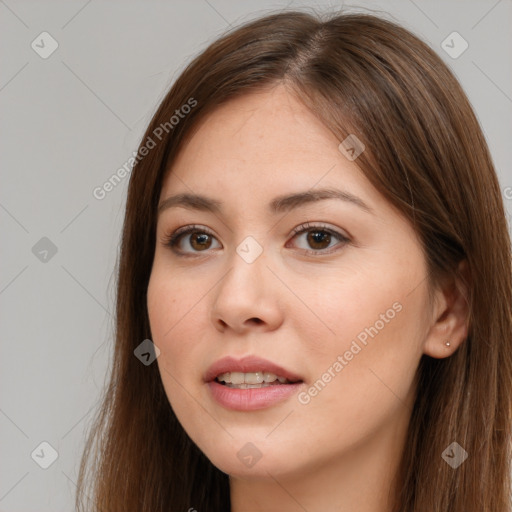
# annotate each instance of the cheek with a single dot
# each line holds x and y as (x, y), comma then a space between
(378, 323)
(173, 315)
(167, 302)
(355, 304)
(170, 328)
(167, 318)
(370, 386)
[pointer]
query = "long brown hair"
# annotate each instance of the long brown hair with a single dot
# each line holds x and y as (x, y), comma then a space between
(425, 152)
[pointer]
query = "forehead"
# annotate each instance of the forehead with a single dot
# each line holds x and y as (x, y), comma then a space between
(262, 145)
(264, 125)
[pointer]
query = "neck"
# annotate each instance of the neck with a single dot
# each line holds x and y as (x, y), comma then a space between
(360, 479)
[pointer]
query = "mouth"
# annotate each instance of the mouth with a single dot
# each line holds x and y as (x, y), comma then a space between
(250, 383)
(250, 371)
(252, 380)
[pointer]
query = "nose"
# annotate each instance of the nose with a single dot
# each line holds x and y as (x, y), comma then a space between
(247, 297)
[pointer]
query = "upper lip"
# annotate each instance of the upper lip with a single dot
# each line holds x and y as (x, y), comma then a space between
(248, 364)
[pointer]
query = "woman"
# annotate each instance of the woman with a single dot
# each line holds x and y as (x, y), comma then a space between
(316, 245)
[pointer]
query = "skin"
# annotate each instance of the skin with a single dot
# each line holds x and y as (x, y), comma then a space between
(341, 449)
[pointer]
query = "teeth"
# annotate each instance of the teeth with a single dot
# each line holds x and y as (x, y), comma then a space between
(250, 378)
(249, 386)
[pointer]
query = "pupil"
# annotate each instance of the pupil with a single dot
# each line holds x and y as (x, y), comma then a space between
(316, 237)
(200, 238)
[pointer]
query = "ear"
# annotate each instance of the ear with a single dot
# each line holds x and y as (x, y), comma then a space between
(450, 316)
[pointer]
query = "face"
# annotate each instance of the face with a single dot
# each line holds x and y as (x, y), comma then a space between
(333, 290)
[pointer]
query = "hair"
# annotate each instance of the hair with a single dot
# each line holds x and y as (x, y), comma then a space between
(426, 154)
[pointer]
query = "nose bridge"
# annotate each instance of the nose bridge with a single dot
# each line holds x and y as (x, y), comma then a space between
(247, 268)
(247, 290)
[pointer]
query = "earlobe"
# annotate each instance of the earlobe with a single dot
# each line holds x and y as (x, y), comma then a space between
(449, 327)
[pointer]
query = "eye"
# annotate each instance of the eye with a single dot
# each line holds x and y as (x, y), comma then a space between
(199, 239)
(319, 237)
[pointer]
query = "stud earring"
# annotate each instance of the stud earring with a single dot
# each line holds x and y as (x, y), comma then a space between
(447, 343)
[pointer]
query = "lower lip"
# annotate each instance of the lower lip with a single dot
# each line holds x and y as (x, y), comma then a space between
(251, 399)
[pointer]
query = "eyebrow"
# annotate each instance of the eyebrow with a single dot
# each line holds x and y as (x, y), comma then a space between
(279, 204)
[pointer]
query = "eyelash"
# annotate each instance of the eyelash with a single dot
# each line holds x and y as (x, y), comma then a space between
(172, 239)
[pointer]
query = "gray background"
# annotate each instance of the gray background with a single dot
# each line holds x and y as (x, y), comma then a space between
(68, 123)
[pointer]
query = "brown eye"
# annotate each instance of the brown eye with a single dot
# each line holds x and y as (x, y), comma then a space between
(200, 241)
(319, 239)
(190, 240)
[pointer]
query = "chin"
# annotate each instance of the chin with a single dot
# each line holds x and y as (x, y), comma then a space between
(249, 459)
